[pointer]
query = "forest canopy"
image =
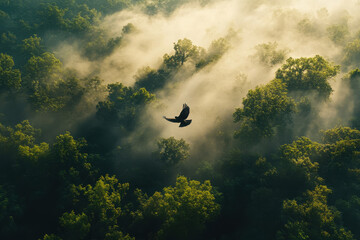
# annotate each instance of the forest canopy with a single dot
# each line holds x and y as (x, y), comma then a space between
(272, 151)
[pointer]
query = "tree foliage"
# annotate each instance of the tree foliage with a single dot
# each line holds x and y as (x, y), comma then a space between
(184, 51)
(32, 45)
(264, 108)
(185, 54)
(312, 219)
(283, 177)
(308, 74)
(352, 53)
(76, 226)
(268, 54)
(123, 104)
(181, 210)
(10, 78)
(172, 151)
(101, 207)
(338, 33)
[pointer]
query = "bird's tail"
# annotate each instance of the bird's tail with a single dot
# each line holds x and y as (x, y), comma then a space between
(185, 123)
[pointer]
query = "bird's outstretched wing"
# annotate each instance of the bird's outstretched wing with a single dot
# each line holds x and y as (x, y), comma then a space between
(184, 113)
(172, 119)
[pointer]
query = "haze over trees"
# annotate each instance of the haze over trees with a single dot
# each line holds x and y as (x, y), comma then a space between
(272, 153)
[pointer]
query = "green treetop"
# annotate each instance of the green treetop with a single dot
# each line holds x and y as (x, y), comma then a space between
(182, 211)
(263, 109)
(173, 151)
(312, 219)
(308, 74)
(10, 78)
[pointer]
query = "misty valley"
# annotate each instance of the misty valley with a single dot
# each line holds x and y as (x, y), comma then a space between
(97, 141)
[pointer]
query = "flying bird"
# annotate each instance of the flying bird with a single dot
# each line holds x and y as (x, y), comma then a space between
(182, 117)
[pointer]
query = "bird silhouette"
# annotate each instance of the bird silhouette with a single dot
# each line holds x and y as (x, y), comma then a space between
(182, 117)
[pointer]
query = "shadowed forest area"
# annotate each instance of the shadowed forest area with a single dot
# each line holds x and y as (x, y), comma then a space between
(273, 150)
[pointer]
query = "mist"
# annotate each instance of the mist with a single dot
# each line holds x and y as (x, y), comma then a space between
(216, 90)
(274, 142)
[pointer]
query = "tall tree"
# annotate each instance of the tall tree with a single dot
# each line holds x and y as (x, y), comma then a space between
(172, 151)
(10, 78)
(308, 75)
(264, 109)
(184, 50)
(179, 212)
(312, 218)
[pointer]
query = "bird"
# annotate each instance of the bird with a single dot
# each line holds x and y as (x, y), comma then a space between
(182, 117)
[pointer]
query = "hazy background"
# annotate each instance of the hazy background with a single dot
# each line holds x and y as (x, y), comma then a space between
(301, 29)
(72, 74)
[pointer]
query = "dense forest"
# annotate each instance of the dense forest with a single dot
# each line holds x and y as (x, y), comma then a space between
(273, 151)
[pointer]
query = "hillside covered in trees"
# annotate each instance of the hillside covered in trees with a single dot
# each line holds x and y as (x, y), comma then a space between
(273, 150)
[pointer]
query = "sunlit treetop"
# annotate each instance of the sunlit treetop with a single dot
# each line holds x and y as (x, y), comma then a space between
(43, 68)
(340, 133)
(23, 134)
(188, 205)
(312, 218)
(32, 45)
(302, 147)
(264, 108)
(184, 50)
(308, 74)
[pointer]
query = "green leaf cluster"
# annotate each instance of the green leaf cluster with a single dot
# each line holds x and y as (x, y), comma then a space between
(181, 211)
